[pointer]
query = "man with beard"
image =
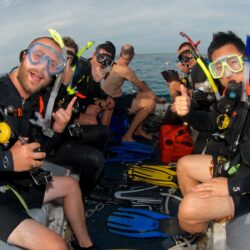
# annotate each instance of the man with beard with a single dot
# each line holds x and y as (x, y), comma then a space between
(39, 64)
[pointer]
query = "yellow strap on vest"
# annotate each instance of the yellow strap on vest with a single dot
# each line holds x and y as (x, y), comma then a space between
(19, 197)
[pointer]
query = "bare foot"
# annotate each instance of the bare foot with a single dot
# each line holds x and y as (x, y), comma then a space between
(127, 138)
(143, 134)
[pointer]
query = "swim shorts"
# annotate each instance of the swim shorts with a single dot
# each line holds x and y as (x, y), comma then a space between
(123, 104)
(12, 213)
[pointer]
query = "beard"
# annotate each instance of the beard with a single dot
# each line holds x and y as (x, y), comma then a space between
(28, 87)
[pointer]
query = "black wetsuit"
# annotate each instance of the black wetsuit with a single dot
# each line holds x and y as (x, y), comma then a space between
(238, 183)
(86, 85)
(11, 210)
(84, 153)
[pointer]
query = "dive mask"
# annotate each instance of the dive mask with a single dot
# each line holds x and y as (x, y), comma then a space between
(104, 59)
(73, 57)
(185, 56)
(232, 62)
(42, 53)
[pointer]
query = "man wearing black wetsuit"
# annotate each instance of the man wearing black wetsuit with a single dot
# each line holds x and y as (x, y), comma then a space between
(216, 187)
(18, 157)
(85, 147)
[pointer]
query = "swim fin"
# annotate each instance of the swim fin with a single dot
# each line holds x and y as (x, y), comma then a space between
(121, 155)
(152, 195)
(142, 223)
(160, 175)
(130, 152)
(137, 147)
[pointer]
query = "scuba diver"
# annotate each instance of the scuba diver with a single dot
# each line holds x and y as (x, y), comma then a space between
(21, 188)
(195, 80)
(218, 184)
(82, 147)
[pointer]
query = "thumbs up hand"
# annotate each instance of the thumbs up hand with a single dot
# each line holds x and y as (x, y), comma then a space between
(182, 102)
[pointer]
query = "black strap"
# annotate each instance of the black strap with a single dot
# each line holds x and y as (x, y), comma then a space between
(234, 146)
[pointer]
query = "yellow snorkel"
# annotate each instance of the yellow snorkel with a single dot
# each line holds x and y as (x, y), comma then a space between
(198, 58)
(45, 122)
(209, 78)
(87, 46)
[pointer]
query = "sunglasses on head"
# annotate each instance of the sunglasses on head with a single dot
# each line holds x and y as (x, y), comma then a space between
(104, 59)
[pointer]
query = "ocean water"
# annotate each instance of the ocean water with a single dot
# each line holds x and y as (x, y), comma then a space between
(148, 68)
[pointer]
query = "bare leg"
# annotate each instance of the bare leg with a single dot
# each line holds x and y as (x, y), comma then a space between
(87, 119)
(191, 170)
(106, 117)
(139, 131)
(29, 234)
(68, 189)
(142, 106)
(195, 212)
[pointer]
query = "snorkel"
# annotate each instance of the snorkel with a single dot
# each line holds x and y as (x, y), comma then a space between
(45, 122)
(246, 83)
(87, 46)
(198, 58)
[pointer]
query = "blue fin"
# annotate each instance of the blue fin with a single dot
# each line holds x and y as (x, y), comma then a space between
(142, 223)
(125, 155)
(137, 147)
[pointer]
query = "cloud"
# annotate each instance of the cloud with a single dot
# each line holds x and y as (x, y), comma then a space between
(151, 26)
(5, 3)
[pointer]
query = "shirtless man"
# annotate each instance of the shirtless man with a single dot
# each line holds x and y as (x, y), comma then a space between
(141, 104)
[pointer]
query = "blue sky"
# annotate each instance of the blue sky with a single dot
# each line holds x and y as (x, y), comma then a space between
(152, 26)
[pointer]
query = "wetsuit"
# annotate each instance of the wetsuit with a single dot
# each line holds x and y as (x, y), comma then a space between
(238, 182)
(86, 85)
(84, 153)
(11, 210)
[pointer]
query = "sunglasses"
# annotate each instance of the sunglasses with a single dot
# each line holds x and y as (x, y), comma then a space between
(104, 59)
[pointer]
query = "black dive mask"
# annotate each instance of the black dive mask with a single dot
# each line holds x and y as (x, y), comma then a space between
(231, 98)
(74, 58)
(104, 59)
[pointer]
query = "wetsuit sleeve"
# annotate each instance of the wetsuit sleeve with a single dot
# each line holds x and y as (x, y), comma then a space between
(201, 120)
(6, 161)
(239, 183)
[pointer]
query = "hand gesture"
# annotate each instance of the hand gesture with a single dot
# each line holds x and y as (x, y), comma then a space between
(25, 157)
(98, 73)
(182, 102)
(63, 116)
